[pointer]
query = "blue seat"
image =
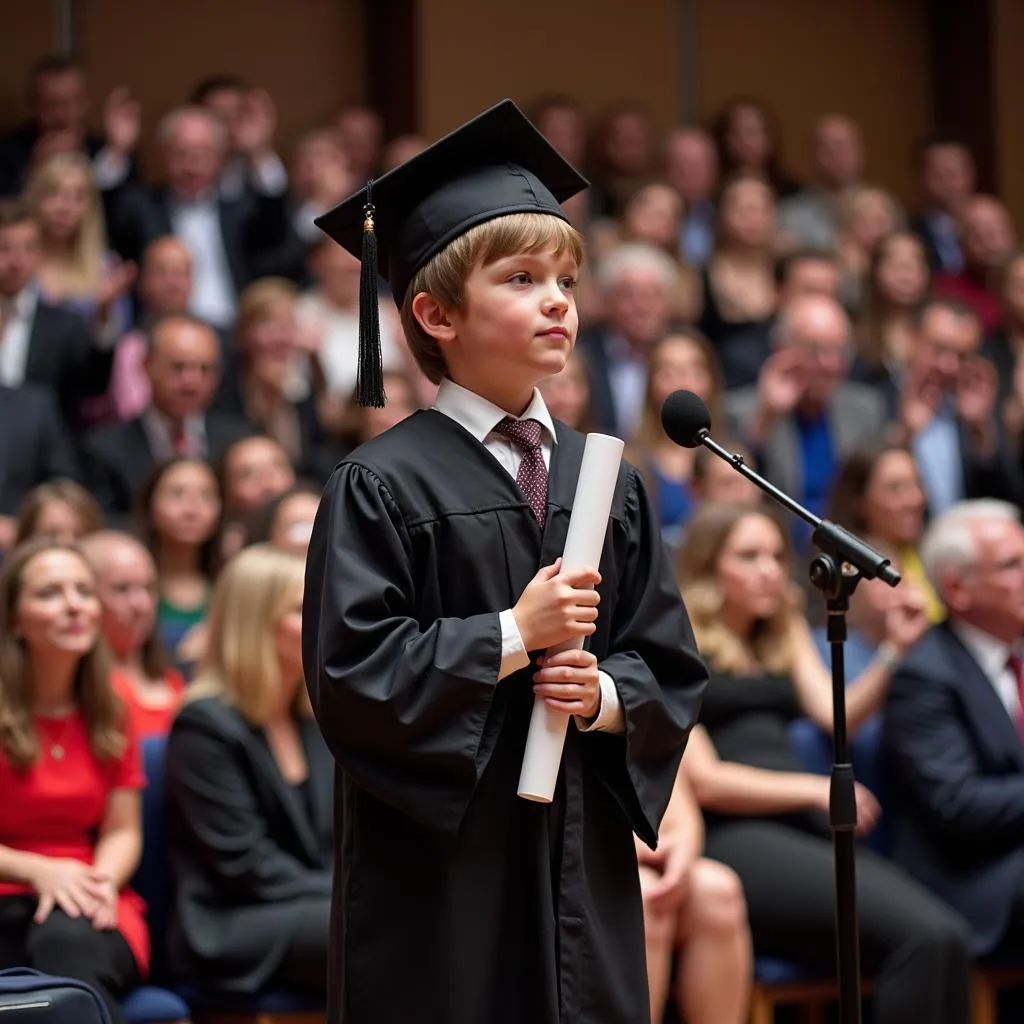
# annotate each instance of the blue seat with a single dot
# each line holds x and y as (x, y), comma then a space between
(269, 1002)
(149, 1004)
(770, 970)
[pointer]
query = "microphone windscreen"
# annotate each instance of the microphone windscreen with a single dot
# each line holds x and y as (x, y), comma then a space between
(684, 416)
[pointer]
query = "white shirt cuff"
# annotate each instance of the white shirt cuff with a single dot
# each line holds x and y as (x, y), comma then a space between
(110, 169)
(514, 655)
(609, 714)
(269, 175)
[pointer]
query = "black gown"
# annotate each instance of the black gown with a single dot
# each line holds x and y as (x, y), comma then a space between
(456, 902)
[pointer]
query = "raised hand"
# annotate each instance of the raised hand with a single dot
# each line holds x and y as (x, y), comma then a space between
(257, 122)
(781, 383)
(976, 392)
(122, 121)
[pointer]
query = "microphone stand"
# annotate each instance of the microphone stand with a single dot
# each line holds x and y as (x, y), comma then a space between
(844, 560)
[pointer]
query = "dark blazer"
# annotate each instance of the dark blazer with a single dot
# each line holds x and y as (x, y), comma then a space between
(923, 229)
(594, 344)
(955, 768)
(117, 460)
(254, 228)
(248, 853)
(63, 356)
(34, 445)
(16, 148)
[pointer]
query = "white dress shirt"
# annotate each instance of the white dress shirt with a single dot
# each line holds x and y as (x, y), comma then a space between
(992, 656)
(197, 224)
(479, 417)
(15, 331)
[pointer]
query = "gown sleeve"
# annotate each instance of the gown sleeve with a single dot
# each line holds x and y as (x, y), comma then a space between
(402, 708)
(659, 676)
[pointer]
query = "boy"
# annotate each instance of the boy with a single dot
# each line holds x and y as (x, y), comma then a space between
(432, 572)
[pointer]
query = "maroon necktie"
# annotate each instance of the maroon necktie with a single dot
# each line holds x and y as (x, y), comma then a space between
(532, 477)
(1016, 665)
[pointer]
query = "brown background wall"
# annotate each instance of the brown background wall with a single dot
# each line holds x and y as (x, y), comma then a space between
(1008, 53)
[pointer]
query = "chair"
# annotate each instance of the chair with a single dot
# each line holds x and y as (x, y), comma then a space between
(150, 1004)
(265, 1008)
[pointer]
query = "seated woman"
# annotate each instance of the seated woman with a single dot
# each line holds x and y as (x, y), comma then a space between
(567, 394)
(249, 795)
(127, 588)
(70, 814)
(59, 510)
(765, 815)
(286, 520)
(695, 920)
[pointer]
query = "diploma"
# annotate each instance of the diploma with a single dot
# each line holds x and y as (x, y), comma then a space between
(584, 542)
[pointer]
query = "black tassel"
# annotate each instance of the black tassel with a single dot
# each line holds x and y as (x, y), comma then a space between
(370, 387)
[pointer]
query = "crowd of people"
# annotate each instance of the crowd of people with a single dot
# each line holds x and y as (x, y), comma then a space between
(178, 353)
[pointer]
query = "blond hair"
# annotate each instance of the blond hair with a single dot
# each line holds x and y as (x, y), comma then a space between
(444, 276)
(240, 666)
(101, 708)
(84, 270)
(260, 299)
(771, 640)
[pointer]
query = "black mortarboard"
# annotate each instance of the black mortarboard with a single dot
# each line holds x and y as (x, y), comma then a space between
(497, 163)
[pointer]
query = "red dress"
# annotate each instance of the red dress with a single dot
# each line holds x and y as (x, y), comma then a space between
(146, 720)
(56, 807)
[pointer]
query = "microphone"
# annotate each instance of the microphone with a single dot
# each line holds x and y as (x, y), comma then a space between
(687, 421)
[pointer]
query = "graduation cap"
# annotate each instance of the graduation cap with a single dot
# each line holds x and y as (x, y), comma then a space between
(496, 164)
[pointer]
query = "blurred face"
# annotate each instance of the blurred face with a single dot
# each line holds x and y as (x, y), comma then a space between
(271, 340)
(563, 128)
(19, 256)
(57, 610)
(256, 470)
(893, 504)
(988, 234)
(193, 154)
(58, 521)
(653, 216)
(902, 272)
(401, 150)
(679, 364)
(944, 344)
(227, 105)
(821, 332)
(567, 394)
(871, 220)
(722, 483)
(638, 304)
(293, 523)
(401, 403)
(337, 272)
(837, 152)
(752, 571)
(810, 277)
(692, 166)
(747, 138)
(60, 102)
(317, 158)
(288, 638)
(166, 283)
(748, 214)
(360, 133)
(64, 209)
(948, 176)
(1013, 290)
(127, 589)
(183, 367)
(990, 594)
(873, 601)
(186, 505)
(628, 146)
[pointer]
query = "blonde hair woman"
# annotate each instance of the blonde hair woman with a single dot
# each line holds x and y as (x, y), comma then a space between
(765, 815)
(77, 271)
(249, 794)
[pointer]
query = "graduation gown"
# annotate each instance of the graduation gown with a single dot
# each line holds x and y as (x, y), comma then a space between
(456, 902)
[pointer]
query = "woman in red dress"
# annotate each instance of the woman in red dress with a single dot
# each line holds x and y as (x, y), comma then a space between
(126, 584)
(70, 816)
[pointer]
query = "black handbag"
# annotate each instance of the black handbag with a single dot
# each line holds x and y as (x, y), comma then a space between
(29, 997)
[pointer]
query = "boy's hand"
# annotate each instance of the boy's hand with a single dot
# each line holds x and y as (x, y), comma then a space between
(551, 609)
(568, 682)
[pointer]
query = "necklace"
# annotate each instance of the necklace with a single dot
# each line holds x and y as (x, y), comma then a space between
(57, 749)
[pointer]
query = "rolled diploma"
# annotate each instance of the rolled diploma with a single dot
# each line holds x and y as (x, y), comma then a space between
(584, 542)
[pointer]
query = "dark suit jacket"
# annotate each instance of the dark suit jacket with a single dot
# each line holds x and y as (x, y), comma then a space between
(920, 226)
(63, 356)
(248, 853)
(856, 414)
(16, 153)
(594, 344)
(34, 445)
(955, 765)
(254, 228)
(118, 459)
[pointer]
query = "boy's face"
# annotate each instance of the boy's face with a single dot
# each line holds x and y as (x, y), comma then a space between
(517, 324)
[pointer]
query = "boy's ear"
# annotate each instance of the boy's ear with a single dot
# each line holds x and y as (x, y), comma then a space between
(432, 317)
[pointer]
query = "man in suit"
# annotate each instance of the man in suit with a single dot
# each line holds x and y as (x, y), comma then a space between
(39, 343)
(34, 448)
(183, 367)
(952, 734)
(946, 410)
(232, 241)
(947, 178)
(802, 417)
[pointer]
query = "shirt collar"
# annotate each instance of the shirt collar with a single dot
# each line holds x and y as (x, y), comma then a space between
(479, 416)
(23, 305)
(989, 652)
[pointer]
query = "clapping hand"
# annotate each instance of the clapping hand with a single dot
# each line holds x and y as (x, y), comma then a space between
(976, 390)
(782, 380)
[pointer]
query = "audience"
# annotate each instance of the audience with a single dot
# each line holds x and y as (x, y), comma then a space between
(947, 181)
(58, 510)
(567, 394)
(691, 168)
(70, 818)
(747, 139)
(285, 521)
(249, 790)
